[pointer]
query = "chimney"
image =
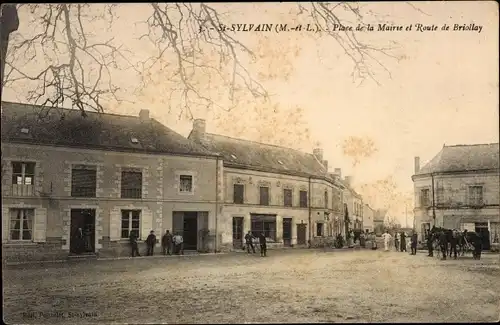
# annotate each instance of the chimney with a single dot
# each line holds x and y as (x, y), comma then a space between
(144, 114)
(199, 129)
(348, 180)
(325, 163)
(318, 153)
(417, 164)
(338, 171)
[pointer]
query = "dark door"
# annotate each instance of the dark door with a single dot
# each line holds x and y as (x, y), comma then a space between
(301, 234)
(482, 230)
(237, 232)
(82, 227)
(190, 232)
(287, 231)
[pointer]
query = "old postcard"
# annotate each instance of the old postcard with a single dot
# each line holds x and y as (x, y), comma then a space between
(250, 162)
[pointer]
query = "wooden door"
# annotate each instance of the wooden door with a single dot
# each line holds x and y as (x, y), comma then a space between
(301, 234)
(287, 231)
(237, 232)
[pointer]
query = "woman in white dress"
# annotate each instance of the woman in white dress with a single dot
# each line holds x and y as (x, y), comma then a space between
(387, 239)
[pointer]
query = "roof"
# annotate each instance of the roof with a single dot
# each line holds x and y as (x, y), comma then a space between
(460, 158)
(241, 153)
(68, 128)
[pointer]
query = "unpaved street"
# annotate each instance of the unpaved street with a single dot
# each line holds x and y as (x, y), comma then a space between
(288, 286)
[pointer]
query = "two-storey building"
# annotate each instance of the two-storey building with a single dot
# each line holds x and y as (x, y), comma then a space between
(66, 177)
(459, 189)
(284, 193)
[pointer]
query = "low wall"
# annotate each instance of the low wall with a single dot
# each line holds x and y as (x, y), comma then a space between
(50, 250)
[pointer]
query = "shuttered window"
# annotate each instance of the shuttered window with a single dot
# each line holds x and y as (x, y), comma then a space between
(239, 192)
(264, 195)
(131, 184)
(130, 222)
(303, 199)
(21, 224)
(287, 197)
(83, 182)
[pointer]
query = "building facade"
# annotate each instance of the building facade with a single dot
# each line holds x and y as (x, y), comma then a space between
(459, 189)
(368, 218)
(101, 177)
(354, 205)
(284, 193)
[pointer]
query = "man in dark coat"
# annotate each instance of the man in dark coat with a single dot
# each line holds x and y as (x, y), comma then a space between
(403, 242)
(133, 244)
(249, 241)
(478, 246)
(430, 247)
(166, 243)
(443, 242)
(263, 244)
(453, 238)
(151, 242)
(414, 240)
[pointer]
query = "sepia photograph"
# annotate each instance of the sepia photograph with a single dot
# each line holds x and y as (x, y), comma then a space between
(250, 162)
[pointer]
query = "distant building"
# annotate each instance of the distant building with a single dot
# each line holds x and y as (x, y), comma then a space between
(284, 193)
(368, 218)
(379, 221)
(459, 188)
(354, 204)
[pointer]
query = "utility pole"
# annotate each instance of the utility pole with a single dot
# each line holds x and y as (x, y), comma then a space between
(433, 201)
(9, 22)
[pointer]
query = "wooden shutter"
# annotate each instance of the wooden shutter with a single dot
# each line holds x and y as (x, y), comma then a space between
(177, 222)
(115, 225)
(5, 224)
(39, 225)
(146, 223)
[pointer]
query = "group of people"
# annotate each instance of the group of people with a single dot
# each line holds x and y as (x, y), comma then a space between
(399, 241)
(82, 240)
(169, 243)
(450, 241)
(249, 238)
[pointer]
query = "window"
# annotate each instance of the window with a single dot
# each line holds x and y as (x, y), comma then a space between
(303, 199)
(21, 224)
(319, 229)
(264, 224)
(264, 195)
(131, 184)
(326, 199)
(83, 181)
(287, 197)
(23, 173)
(424, 198)
(130, 222)
(239, 193)
(186, 183)
(475, 195)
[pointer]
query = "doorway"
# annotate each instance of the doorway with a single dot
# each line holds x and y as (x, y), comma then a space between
(482, 230)
(287, 232)
(237, 232)
(301, 234)
(82, 227)
(190, 230)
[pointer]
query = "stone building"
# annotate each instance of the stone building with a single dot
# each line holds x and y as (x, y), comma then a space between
(285, 193)
(368, 218)
(459, 189)
(354, 204)
(106, 174)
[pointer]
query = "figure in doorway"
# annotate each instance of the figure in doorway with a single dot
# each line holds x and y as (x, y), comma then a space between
(249, 241)
(133, 244)
(78, 242)
(151, 242)
(88, 238)
(166, 243)
(263, 244)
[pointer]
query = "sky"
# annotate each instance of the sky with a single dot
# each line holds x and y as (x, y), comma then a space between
(440, 88)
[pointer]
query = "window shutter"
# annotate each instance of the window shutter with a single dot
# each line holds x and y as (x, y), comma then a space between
(177, 222)
(5, 224)
(115, 225)
(40, 226)
(146, 224)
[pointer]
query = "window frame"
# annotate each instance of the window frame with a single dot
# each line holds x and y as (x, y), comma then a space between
(263, 221)
(73, 185)
(242, 186)
(130, 227)
(325, 199)
(22, 213)
(268, 199)
(290, 197)
(476, 198)
(130, 190)
(425, 200)
(191, 178)
(320, 228)
(306, 201)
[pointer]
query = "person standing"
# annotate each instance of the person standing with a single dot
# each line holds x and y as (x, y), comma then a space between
(443, 242)
(414, 240)
(263, 244)
(387, 237)
(133, 244)
(151, 242)
(453, 243)
(403, 242)
(430, 248)
(249, 241)
(166, 243)
(179, 244)
(478, 246)
(396, 241)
